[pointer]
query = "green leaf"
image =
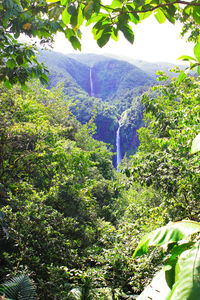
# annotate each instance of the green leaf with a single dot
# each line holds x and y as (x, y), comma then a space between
(103, 39)
(181, 77)
(75, 42)
(160, 17)
(197, 51)
(157, 289)
(169, 12)
(116, 4)
(187, 285)
(115, 35)
(71, 8)
(196, 144)
(11, 63)
(128, 33)
(196, 14)
(145, 15)
(170, 233)
(134, 18)
(95, 18)
(64, 2)
(8, 84)
(73, 21)
(43, 81)
(30, 53)
(66, 16)
(80, 18)
(45, 77)
(140, 2)
(19, 60)
(89, 10)
(187, 58)
(55, 12)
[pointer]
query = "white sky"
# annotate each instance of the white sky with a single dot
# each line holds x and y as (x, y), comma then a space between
(154, 42)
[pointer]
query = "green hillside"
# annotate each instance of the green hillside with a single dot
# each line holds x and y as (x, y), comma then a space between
(104, 88)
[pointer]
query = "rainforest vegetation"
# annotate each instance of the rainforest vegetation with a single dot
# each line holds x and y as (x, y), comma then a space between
(71, 225)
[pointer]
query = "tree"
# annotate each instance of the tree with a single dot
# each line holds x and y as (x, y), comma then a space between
(43, 19)
(164, 158)
(181, 270)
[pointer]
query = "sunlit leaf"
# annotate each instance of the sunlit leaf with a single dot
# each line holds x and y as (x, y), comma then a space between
(7, 84)
(187, 58)
(197, 51)
(75, 42)
(170, 233)
(196, 144)
(145, 15)
(11, 63)
(160, 17)
(64, 2)
(116, 3)
(102, 41)
(66, 16)
(128, 33)
(89, 10)
(181, 77)
(157, 288)
(187, 285)
(196, 14)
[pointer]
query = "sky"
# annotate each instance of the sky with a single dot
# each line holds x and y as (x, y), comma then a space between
(154, 42)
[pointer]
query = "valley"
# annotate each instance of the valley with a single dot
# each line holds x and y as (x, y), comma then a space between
(107, 89)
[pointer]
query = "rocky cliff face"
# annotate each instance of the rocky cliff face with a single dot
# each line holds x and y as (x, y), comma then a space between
(131, 122)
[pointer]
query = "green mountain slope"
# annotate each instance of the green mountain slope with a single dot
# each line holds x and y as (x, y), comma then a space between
(104, 87)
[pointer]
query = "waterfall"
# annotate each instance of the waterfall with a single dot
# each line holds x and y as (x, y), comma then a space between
(91, 84)
(118, 145)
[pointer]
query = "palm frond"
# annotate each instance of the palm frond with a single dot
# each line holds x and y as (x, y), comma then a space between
(19, 288)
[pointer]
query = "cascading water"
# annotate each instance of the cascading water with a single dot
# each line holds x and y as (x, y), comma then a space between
(118, 145)
(91, 84)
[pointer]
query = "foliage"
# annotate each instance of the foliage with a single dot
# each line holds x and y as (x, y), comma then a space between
(19, 288)
(164, 160)
(183, 261)
(43, 19)
(190, 28)
(57, 182)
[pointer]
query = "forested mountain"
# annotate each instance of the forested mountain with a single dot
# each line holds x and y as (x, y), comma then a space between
(106, 88)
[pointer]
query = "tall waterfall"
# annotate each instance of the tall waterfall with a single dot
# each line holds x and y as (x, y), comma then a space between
(118, 145)
(91, 84)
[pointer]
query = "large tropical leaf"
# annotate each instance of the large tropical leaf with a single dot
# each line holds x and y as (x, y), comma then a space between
(157, 289)
(19, 288)
(196, 144)
(187, 285)
(170, 233)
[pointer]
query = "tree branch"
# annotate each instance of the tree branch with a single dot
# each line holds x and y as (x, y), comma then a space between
(153, 8)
